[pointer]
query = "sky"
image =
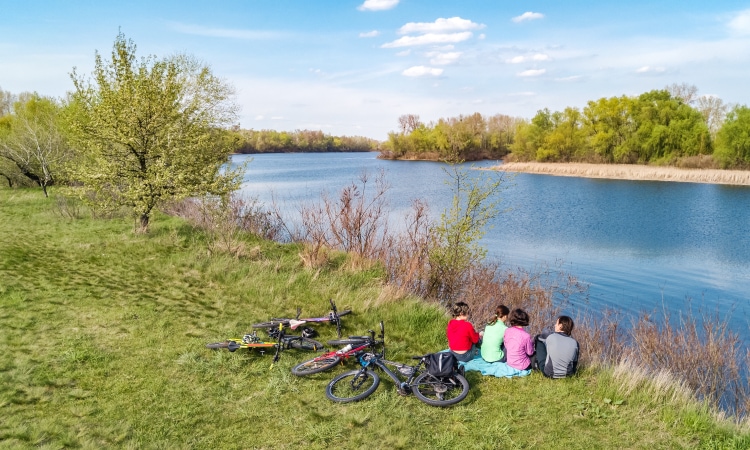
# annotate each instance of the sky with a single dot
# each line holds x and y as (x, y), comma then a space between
(352, 67)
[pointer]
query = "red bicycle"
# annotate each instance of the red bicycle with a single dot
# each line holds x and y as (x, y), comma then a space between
(354, 346)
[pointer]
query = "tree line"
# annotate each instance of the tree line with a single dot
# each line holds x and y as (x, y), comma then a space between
(670, 126)
(298, 141)
(467, 138)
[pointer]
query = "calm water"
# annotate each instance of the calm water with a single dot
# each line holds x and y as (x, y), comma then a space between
(639, 245)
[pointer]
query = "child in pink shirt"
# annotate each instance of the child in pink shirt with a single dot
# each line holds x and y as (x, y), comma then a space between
(519, 346)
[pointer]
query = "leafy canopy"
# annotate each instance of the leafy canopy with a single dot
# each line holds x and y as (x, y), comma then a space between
(150, 130)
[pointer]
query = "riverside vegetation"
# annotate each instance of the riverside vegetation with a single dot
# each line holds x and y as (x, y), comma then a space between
(104, 334)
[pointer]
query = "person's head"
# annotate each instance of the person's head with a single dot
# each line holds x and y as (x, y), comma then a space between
(501, 313)
(518, 318)
(460, 309)
(564, 324)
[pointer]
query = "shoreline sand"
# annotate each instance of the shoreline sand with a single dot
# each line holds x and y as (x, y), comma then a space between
(630, 172)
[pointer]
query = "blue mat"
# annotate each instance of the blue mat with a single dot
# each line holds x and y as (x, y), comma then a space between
(496, 369)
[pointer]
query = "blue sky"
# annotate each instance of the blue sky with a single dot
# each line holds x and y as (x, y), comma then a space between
(353, 67)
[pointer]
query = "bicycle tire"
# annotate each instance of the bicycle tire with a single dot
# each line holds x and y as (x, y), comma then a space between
(353, 342)
(303, 343)
(217, 345)
(315, 365)
(352, 386)
(440, 391)
(270, 324)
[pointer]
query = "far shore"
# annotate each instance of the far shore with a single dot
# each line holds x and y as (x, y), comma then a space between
(630, 172)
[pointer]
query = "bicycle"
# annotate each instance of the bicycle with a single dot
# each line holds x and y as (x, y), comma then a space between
(352, 347)
(281, 342)
(334, 317)
(359, 384)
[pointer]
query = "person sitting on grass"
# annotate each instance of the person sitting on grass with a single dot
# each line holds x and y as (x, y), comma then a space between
(493, 349)
(557, 353)
(461, 334)
(518, 344)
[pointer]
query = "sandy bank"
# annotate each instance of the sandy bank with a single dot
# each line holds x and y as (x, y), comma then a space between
(631, 172)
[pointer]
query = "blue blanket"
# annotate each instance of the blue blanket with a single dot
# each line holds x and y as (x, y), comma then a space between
(497, 369)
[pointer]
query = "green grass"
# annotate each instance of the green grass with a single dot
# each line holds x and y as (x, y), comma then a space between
(102, 335)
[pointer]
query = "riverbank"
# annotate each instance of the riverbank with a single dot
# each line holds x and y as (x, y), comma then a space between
(131, 314)
(630, 172)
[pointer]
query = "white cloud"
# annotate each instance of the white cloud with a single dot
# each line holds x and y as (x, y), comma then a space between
(526, 58)
(570, 78)
(429, 38)
(528, 16)
(377, 5)
(532, 73)
(442, 58)
(440, 26)
(740, 24)
(233, 33)
(259, 117)
(649, 70)
(370, 34)
(422, 71)
(404, 53)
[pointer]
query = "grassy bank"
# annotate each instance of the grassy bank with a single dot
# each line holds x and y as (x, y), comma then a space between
(103, 335)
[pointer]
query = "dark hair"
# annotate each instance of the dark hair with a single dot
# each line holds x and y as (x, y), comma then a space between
(460, 309)
(566, 323)
(518, 318)
(500, 311)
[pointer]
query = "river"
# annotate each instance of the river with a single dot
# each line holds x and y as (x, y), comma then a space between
(638, 245)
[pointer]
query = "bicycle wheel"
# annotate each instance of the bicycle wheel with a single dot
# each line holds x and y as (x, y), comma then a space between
(440, 391)
(270, 324)
(303, 343)
(315, 365)
(218, 345)
(352, 386)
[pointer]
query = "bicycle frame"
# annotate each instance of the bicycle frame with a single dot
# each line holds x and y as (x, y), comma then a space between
(333, 317)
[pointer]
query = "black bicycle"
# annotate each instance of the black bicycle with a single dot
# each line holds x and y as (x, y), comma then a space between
(434, 390)
(334, 317)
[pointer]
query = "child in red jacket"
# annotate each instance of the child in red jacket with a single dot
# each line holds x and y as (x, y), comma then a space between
(462, 337)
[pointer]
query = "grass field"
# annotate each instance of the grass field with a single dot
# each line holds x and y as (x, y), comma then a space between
(102, 345)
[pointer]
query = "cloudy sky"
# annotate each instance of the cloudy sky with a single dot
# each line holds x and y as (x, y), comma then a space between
(351, 67)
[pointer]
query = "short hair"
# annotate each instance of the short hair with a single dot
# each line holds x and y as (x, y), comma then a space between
(460, 309)
(518, 318)
(566, 323)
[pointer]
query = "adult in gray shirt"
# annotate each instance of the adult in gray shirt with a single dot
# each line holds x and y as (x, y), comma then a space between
(557, 353)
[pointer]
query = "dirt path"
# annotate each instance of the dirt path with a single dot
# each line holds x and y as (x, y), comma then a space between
(631, 172)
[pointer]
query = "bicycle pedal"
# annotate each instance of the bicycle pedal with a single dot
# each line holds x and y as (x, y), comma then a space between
(402, 392)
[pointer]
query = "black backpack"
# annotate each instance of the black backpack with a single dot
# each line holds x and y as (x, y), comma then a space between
(441, 364)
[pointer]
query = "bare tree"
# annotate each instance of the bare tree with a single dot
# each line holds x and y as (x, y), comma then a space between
(683, 91)
(408, 123)
(713, 110)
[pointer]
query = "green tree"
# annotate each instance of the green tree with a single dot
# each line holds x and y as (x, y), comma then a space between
(31, 140)
(733, 139)
(151, 130)
(457, 249)
(608, 124)
(566, 140)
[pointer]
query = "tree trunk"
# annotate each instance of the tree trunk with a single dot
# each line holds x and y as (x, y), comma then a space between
(144, 223)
